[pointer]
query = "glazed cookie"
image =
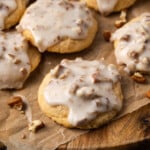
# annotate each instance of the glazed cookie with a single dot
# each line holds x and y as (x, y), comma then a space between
(132, 44)
(106, 7)
(81, 94)
(58, 26)
(17, 60)
(11, 12)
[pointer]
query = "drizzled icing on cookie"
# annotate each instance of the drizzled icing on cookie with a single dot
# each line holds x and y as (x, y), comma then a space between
(133, 46)
(6, 7)
(14, 61)
(85, 87)
(56, 20)
(106, 6)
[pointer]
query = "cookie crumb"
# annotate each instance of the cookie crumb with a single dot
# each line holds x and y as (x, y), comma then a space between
(36, 125)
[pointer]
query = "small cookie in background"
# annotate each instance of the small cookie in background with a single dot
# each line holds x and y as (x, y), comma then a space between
(132, 44)
(11, 12)
(105, 7)
(17, 60)
(81, 94)
(58, 26)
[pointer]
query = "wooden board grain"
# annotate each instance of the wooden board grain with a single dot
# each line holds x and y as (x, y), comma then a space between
(124, 133)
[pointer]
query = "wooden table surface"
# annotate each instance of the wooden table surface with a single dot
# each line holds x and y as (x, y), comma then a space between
(129, 132)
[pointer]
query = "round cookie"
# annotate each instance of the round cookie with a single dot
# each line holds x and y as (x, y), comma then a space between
(58, 26)
(132, 44)
(81, 94)
(106, 7)
(11, 12)
(17, 60)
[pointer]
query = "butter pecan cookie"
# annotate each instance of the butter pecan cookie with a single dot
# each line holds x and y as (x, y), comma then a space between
(17, 60)
(11, 12)
(132, 44)
(58, 26)
(81, 94)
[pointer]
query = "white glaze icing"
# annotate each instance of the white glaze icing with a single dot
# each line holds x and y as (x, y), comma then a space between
(14, 61)
(85, 87)
(6, 7)
(50, 21)
(106, 6)
(133, 48)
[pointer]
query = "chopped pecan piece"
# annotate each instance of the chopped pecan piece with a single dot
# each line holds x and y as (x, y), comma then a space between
(17, 61)
(11, 56)
(16, 102)
(107, 35)
(119, 23)
(133, 54)
(123, 14)
(36, 125)
(96, 78)
(73, 88)
(87, 93)
(24, 71)
(79, 21)
(126, 37)
(138, 77)
(60, 72)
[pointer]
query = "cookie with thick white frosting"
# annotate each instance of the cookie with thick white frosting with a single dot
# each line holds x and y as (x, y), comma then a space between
(17, 60)
(11, 12)
(132, 44)
(58, 26)
(81, 94)
(106, 7)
